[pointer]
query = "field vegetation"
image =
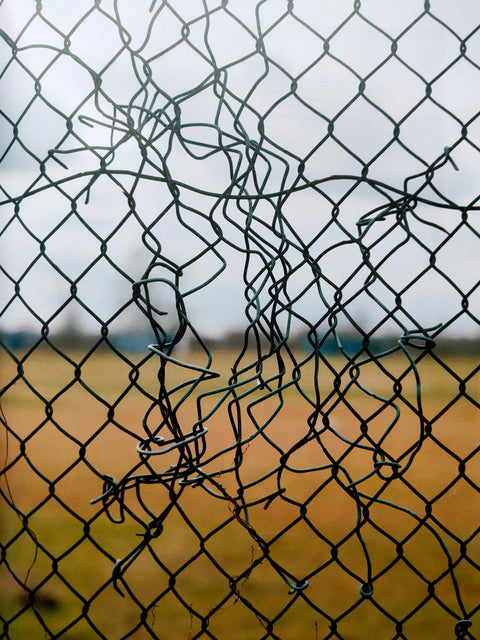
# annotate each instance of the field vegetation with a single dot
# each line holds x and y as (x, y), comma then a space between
(72, 420)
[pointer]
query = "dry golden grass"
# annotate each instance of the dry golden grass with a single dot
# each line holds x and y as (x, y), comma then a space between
(67, 564)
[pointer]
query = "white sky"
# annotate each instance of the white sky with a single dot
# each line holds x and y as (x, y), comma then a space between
(65, 96)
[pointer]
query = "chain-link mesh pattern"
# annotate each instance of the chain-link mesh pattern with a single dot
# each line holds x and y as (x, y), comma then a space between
(278, 202)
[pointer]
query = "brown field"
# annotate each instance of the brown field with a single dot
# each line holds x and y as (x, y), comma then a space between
(61, 547)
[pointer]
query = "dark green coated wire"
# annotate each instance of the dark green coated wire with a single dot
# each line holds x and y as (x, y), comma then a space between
(248, 216)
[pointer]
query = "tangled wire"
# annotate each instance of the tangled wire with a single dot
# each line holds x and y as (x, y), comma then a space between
(272, 307)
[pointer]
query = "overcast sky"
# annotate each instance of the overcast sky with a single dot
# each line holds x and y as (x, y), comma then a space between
(349, 95)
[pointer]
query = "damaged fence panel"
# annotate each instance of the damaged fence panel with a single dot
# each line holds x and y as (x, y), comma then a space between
(239, 320)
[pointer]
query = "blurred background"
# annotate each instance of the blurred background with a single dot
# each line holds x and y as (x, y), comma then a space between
(108, 108)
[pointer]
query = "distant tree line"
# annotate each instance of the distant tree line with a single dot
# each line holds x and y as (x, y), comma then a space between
(135, 341)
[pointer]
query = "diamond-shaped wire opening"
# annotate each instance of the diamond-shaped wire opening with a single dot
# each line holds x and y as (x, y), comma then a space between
(177, 539)
(93, 40)
(395, 89)
(72, 248)
(201, 585)
(299, 550)
(52, 204)
(439, 387)
(24, 409)
(433, 469)
(77, 84)
(79, 485)
(438, 130)
(44, 302)
(62, 373)
(425, 556)
(394, 165)
(39, 31)
(57, 605)
(119, 80)
(428, 47)
(121, 440)
(441, 301)
(308, 45)
(103, 301)
(207, 514)
(96, 214)
(329, 153)
(265, 589)
(219, 547)
(86, 569)
(47, 521)
(269, 88)
(363, 129)
(50, 451)
(372, 47)
(29, 563)
(327, 87)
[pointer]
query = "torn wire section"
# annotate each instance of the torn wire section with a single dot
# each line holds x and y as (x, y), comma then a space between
(269, 332)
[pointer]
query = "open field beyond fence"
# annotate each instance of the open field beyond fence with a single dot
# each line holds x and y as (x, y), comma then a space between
(205, 570)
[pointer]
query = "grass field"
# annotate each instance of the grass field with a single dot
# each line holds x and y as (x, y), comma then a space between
(75, 423)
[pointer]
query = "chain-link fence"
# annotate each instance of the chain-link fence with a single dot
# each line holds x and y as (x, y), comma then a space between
(239, 319)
